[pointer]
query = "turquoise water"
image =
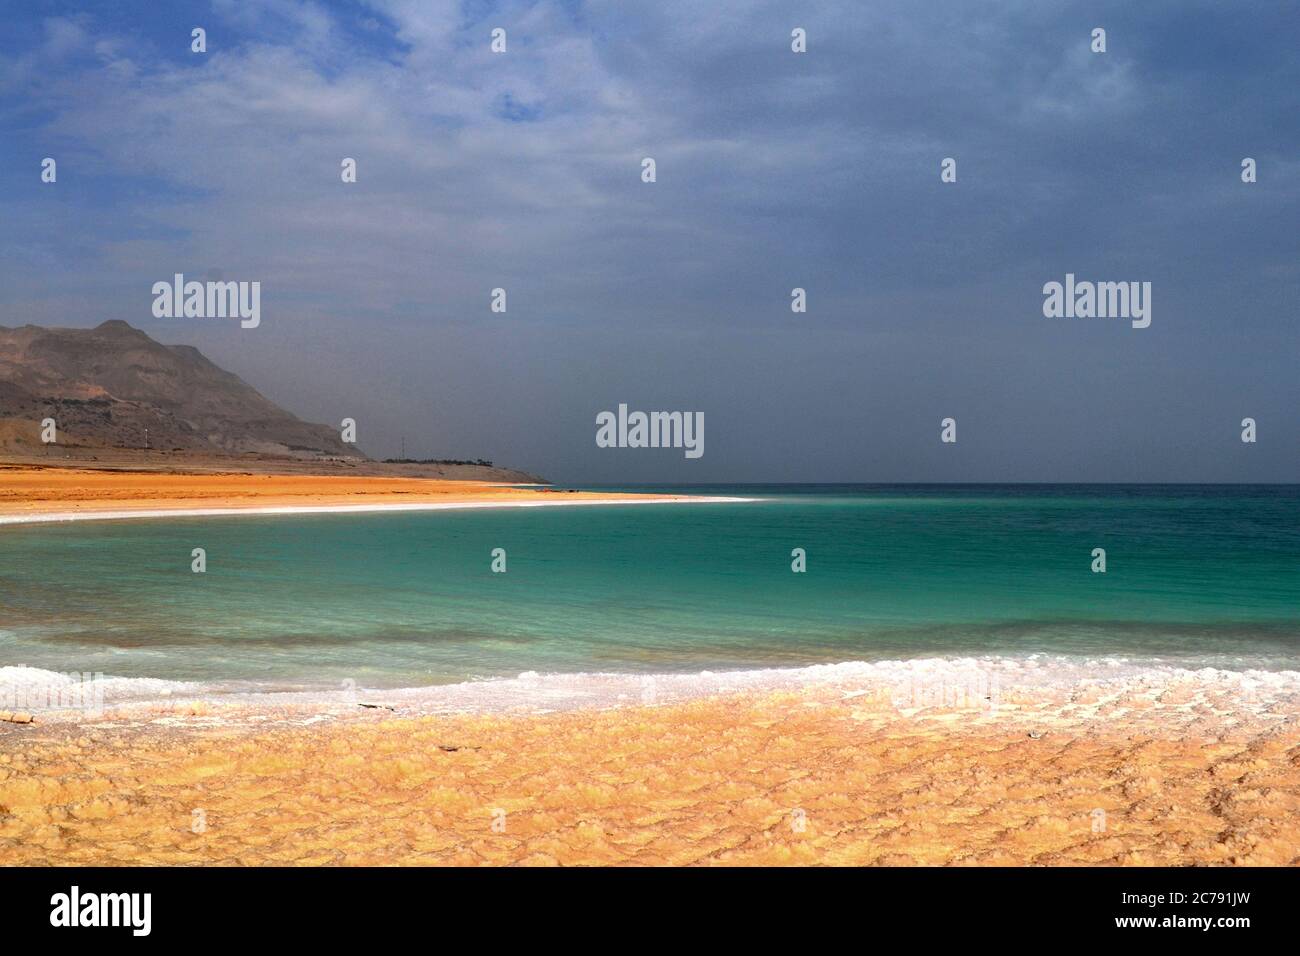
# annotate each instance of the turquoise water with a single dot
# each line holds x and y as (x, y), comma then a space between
(1195, 575)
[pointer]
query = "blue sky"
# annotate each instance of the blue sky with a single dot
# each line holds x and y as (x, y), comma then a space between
(775, 170)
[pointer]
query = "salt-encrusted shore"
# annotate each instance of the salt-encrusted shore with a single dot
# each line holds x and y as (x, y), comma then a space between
(910, 763)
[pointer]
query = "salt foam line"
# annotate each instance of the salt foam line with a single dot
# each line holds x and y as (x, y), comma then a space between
(48, 516)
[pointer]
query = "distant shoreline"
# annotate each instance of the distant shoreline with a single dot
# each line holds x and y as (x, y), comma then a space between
(36, 495)
(43, 517)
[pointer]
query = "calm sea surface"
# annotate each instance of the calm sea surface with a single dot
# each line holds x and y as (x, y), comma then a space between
(1195, 575)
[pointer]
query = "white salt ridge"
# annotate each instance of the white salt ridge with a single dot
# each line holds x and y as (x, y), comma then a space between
(1007, 684)
(55, 516)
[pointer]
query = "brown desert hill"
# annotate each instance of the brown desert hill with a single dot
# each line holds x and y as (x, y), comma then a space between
(104, 386)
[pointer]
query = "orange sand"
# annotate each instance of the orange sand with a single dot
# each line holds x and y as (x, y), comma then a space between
(27, 490)
(778, 778)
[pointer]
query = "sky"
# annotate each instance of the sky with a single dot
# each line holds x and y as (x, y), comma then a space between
(774, 170)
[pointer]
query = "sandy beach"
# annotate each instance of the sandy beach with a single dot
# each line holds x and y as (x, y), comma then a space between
(833, 772)
(55, 494)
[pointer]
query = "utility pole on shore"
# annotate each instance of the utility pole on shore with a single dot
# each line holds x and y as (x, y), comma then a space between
(402, 456)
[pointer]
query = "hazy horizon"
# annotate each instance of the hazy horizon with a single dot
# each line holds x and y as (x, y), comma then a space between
(775, 170)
